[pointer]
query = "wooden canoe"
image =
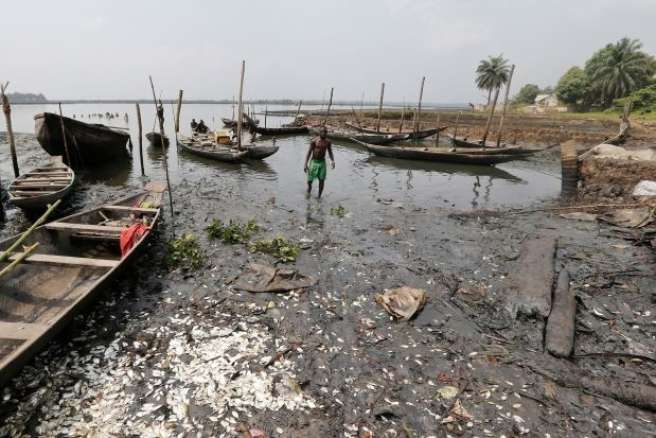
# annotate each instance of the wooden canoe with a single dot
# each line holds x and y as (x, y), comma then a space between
(411, 134)
(465, 143)
(210, 149)
(155, 139)
(439, 155)
(76, 256)
(283, 130)
(229, 123)
(260, 151)
(88, 143)
(44, 185)
(379, 139)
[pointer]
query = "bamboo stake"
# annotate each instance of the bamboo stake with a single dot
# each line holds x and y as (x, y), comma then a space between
(421, 96)
(5, 254)
(6, 108)
(233, 107)
(141, 161)
(380, 106)
(63, 130)
(437, 134)
(330, 104)
(298, 110)
(357, 119)
(489, 119)
(26, 252)
(177, 114)
(159, 111)
(240, 108)
(402, 118)
(505, 105)
(266, 112)
(455, 128)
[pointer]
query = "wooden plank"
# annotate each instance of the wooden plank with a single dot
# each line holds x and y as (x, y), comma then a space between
(559, 338)
(81, 227)
(533, 277)
(50, 174)
(126, 208)
(66, 260)
(23, 194)
(37, 185)
(21, 330)
(37, 179)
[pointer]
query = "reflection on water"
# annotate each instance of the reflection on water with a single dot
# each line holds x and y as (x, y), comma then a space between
(359, 180)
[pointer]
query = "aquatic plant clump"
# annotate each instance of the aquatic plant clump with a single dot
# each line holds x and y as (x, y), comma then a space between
(279, 247)
(338, 211)
(233, 232)
(185, 252)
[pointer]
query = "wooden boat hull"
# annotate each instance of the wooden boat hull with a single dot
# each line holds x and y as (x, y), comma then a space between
(229, 123)
(42, 186)
(224, 154)
(155, 139)
(259, 152)
(379, 139)
(88, 143)
(425, 154)
(285, 130)
(462, 143)
(41, 295)
(411, 134)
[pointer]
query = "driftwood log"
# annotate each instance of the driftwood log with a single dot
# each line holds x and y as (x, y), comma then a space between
(559, 339)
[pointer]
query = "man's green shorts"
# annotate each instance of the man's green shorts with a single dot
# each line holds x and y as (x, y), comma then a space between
(317, 169)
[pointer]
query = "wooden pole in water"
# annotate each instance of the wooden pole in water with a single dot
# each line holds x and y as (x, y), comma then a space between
(330, 104)
(402, 118)
(489, 119)
(455, 128)
(6, 108)
(505, 105)
(380, 105)
(298, 110)
(240, 114)
(63, 130)
(159, 111)
(143, 172)
(233, 107)
(437, 134)
(421, 96)
(266, 113)
(177, 114)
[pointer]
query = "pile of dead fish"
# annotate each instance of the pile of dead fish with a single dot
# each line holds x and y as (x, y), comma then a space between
(148, 382)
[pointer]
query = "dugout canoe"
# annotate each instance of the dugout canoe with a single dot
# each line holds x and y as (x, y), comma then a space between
(229, 123)
(88, 143)
(411, 134)
(155, 139)
(379, 139)
(210, 149)
(283, 130)
(465, 143)
(41, 186)
(256, 151)
(440, 155)
(76, 256)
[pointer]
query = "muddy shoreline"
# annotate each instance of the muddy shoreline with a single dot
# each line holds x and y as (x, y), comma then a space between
(167, 352)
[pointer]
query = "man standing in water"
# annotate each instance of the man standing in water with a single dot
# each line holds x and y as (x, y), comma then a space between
(317, 168)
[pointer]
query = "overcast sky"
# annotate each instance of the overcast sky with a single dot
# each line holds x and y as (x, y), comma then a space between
(300, 48)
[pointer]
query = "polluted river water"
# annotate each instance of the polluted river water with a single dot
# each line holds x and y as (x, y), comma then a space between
(175, 352)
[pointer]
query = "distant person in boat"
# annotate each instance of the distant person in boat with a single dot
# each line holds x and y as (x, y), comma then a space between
(194, 126)
(202, 128)
(317, 166)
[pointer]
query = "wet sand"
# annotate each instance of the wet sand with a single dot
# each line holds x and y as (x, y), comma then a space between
(167, 352)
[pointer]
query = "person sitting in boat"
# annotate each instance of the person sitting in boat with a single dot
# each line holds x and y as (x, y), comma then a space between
(202, 128)
(194, 126)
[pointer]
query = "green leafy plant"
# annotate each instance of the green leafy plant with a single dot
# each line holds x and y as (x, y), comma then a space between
(279, 247)
(185, 252)
(233, 232)
(338, 211)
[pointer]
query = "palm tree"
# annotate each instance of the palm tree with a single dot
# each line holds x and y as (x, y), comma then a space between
(492, 73)
(620, 69)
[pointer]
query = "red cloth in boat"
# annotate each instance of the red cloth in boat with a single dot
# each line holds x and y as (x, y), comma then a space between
(130, 236)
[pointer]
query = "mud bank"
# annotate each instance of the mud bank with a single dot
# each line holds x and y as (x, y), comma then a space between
(168, 352)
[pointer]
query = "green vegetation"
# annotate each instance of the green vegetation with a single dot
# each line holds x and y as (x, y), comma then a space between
(491, 74)
(338, 211)
(284, 250)
(185, 252)
(527, 94)
(573, 88)
(233, 232)
(644, 100)
(613, 72)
